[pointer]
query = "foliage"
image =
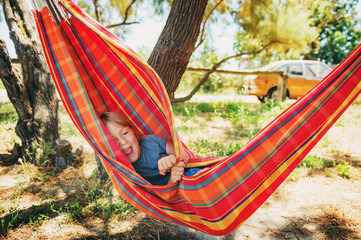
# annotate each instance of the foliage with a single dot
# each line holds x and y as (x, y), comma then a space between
(316, 162)
(97, 191)
(8, 113)
(9, 221)
(207, 57)
(74, 210)
(259, 22)
(204, 146)
(344, 169)
(252, 119)
(248, 119)
(284, 22)
(338, 30)
(122, 13)
(289, 26)
(108, 210)
(96, 201)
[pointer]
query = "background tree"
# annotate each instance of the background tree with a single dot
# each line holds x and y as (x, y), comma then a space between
(265, 21)
(275, 29)
(283, 28)
(338, 28)
(272, 28)
(176, 43)
(32, 92)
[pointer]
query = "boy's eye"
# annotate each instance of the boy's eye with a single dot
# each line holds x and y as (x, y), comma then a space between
(125, 133)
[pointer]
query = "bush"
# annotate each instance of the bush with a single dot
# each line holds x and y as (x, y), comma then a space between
(344, 170)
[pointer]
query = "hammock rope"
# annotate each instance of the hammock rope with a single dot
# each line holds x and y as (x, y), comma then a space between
(94, 72)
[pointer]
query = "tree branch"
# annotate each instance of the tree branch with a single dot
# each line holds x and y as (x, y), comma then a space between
(214, 68)
(120, 24)
(97, 15)
(201, 38)
(126, 15)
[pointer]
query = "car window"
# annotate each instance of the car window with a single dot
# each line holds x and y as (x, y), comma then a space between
(294, 69)
(309, 73)
(318, 70)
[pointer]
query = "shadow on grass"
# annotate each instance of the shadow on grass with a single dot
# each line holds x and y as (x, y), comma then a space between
(326, 226)
(20, 217)
(148, 228)
(15, 218)
(76, 204)
(8, 160)
(345, 157)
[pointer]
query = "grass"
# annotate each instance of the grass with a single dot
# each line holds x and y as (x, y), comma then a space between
(344, 169)
(7, 113)
(316, 162)
(247, 119)
(215, 149)
(97, 201)
(211, 129)
(94, 200)
(319, 163)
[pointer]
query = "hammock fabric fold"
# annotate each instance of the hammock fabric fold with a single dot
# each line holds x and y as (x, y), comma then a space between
(95, 72)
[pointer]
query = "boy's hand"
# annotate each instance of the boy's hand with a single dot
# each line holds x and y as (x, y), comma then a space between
(166, 163)
(176, 173)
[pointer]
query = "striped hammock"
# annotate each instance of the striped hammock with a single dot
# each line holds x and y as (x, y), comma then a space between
(95, 72)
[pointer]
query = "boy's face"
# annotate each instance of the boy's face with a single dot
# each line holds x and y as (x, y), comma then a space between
(126, 140)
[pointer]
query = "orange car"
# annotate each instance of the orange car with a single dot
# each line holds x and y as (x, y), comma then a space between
(303, 75)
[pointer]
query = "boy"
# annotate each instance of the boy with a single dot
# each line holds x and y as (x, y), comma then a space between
(151, 156)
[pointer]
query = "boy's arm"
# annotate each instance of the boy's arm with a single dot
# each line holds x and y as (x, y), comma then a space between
(169, 147)
(167, 162)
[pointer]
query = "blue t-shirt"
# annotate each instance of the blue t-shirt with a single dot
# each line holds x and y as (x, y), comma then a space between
(152, 148)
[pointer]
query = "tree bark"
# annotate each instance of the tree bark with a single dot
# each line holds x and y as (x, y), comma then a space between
(176, 43)
(33, 95)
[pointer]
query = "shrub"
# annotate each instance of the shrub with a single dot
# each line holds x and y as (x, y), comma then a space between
(313, 162)
(344, 170)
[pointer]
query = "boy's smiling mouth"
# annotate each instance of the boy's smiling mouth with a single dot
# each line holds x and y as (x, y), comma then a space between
(128, 152)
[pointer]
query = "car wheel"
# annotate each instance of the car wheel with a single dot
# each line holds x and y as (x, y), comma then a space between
(272, 94)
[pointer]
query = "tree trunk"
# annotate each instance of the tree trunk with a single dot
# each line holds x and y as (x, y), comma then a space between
(177, 41)
(33, 95)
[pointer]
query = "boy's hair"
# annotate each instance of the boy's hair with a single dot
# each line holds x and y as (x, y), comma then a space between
(115, 118)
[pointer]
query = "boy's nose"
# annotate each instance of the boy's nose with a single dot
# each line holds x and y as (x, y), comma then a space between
(122, 141)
